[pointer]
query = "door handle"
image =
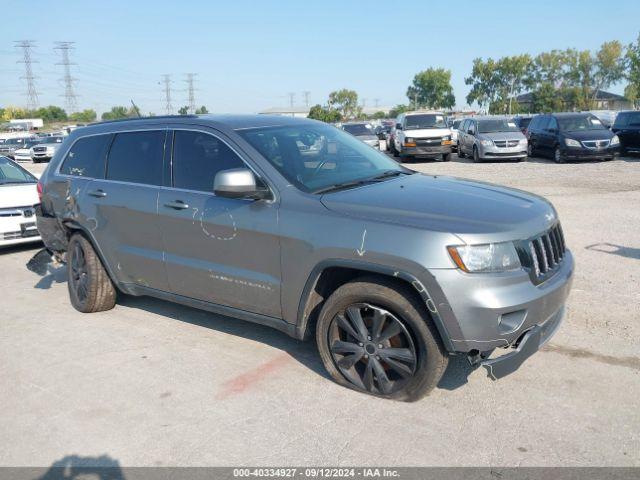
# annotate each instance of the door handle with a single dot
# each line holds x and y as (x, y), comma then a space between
(98, 193)
(177, 205)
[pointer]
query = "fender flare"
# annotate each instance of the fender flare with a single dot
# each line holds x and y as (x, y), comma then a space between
(430, 303)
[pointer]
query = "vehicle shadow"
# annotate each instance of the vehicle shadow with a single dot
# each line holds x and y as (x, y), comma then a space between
(457, 373)
(606, 247)
(76, 467)
(41, 264)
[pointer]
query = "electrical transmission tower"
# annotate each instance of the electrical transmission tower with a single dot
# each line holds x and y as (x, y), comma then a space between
(166, 80)
(376, 102)
(192, 99)
(32, 95)
(306, 94)
(292, 96)
(69, 93)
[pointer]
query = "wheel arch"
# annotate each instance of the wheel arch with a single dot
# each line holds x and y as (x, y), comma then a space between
(329, 275)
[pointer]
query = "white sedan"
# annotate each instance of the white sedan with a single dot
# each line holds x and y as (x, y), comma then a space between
(18, 199)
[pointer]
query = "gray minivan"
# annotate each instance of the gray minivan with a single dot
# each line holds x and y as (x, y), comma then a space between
(238, 215)
(491, 138)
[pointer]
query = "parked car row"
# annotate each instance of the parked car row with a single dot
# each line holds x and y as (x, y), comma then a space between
(36, 149)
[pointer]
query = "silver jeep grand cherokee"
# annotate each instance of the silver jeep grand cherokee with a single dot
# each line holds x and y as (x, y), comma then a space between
(390, 270)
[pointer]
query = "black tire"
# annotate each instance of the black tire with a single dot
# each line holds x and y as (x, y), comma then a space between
(416, 335)
(476, 155)
(460, 152)
(558, 157)
(530, 150)
(446, 157)
(90, 288)
(395, 152)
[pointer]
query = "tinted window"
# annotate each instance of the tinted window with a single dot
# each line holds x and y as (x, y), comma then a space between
(497, 125)
(580, 122)
(414, 122)
(137, 157)
(12, 173)
(87, 157)
(197, 157)
(358, 129)
(552, 124)
(472, 127)
(542, 123)
(628, 119)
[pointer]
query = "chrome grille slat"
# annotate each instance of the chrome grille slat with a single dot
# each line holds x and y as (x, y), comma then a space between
(546, 251)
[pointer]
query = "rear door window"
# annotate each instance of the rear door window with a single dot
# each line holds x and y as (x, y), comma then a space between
(87, 157)
(198, 157)
(137, 157)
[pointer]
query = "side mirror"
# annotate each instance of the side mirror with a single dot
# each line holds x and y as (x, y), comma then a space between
(238, 183)
(398, 126)
(470, 132)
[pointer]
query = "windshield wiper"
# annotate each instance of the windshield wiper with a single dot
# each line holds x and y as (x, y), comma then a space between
(364, 181)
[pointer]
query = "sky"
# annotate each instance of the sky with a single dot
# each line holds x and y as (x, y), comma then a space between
(248, 55)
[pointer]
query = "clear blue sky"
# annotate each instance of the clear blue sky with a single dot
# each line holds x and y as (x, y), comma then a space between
(250, 54)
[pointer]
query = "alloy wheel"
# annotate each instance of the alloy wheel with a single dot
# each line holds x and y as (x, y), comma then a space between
(79, 274)
(372, 348)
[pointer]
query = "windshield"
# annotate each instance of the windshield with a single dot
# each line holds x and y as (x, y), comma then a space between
(11, 173)
(456, 124)
(582, 122)
(430, 120)
(31, 143)
(358, 129)
(334, 158)
(497, 125)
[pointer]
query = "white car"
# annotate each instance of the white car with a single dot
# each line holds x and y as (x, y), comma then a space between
(24, 154)
(18, 199)
(422, 134)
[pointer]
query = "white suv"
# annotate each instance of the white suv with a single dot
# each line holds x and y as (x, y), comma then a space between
(422, 134)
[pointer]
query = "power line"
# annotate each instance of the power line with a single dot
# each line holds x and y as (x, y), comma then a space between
(306, 94)
(32, 94)
(166, 79)
(191, 100)
(69, 93)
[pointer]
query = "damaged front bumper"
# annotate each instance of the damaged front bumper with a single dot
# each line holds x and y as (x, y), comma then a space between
(528, 344)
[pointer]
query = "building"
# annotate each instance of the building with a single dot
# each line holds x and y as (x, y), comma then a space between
(604, 101)
(301, 112)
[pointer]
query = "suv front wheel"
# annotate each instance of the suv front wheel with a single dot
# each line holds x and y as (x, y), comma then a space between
(376, 337)
(90, 288)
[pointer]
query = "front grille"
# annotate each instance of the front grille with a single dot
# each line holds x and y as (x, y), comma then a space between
(428, 142)
(39, 149)
(546, 252)
(596, 143)
(26, 212)
(506, 143)
(17, 235)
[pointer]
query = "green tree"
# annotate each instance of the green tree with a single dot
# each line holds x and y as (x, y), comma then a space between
(483, 81)
(546, 99)
(345, 101)
(632, 64)
(51, 114)
(324, 114)
(496, 83)
(202, 110)
(609, 66)
(116, 112)
(397, 110)
(183, 110)
(432, 88)
(379, 115)
(84, 116)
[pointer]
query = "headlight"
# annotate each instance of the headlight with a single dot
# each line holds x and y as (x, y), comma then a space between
(447, 137)
(523, 141)
(570, 142)
(491, 257)
(486, 143)
(409, 140)
(615, 140)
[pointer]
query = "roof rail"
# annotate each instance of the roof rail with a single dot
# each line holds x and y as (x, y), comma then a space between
(131, 119)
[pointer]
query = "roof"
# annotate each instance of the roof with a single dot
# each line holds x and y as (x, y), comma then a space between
(601, 95)
(285, 110)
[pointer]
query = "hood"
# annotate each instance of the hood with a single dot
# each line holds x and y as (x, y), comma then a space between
(427, 132)
(503, 135)
(588, 134)
(474, 211)
(18, 195)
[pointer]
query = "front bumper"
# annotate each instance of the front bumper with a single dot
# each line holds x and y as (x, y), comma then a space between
(494, 310)
(579, 153)
(493, 152)
(421, 151)
(18, 229)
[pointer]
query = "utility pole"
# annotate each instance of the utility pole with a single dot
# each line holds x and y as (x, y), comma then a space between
(291, 95)
(69, 93)
(32, 95)
(191, 100)
(306, 94)
(166, 80)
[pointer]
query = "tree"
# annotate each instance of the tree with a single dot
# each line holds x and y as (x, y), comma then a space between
(397, 110)
(202, 110)
(51, 114)
(609, 66)
(632, 64)
(84, 116)
(379, 115)
(345, 102)
(183, 110)
(117, 112)
(14, 113)
(495, 83)
(324, 114)
(432, 88)
(483, 81)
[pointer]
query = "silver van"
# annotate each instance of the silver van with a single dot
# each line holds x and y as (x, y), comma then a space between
(491, 138)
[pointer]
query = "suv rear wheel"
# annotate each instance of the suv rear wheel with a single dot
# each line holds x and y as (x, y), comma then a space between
(376, 337)
(90, 288)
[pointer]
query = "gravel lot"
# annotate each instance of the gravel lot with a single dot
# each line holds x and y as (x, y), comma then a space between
(152, 383)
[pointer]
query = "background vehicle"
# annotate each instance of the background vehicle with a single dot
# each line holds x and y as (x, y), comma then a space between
(422, 134)
(454, 125)
(627, 128)
(491, 138)
(522, 121)
(201, 193)
(363, 132)
(571, 136)
(10, 145)
(18, 199)
(23, 154)
(45, 149)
